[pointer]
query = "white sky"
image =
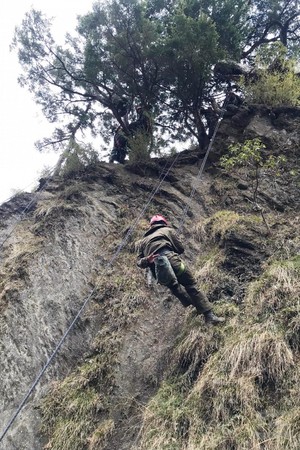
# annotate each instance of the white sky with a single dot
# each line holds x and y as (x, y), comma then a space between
(21, 122)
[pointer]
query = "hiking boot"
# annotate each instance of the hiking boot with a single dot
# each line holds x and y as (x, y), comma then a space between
(210, 317)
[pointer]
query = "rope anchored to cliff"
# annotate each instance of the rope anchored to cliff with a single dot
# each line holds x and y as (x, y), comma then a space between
(108, 266)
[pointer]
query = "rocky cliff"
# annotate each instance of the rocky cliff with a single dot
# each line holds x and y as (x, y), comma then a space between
(137, 370)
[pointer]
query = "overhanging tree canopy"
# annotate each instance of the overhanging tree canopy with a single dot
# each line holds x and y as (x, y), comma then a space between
(154, 52)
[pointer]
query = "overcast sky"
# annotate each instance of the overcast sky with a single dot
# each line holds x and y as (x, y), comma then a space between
(22, 123)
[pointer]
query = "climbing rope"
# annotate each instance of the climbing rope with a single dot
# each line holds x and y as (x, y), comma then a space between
(108, 266)
(200, 172)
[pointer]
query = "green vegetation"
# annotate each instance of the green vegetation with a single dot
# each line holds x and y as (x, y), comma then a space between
(233, 387)
(225, 221)
(76, 411)
(75, 159)
(158, 53)
(139, 151)
(277, 82)
(251, 155)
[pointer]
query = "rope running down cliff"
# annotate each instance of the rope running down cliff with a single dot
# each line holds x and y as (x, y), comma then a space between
(62, 340)
(109, 265)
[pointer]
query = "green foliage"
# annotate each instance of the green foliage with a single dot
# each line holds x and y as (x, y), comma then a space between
(77, 158)
(247, 154)
(275, 89)
(273, 21)
(190, 50)
(277, 83)
(229, 17)
(139, 152)
(151, 52)
(252, 155)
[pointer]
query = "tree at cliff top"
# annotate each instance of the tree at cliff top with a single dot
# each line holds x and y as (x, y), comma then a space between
(154, 52)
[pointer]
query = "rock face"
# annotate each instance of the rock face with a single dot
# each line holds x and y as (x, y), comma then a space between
(278, 127)
(76, 242)
(45, 278)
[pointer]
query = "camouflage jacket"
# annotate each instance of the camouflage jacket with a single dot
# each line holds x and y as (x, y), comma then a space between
(156, 238)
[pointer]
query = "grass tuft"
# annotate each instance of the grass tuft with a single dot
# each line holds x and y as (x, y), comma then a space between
(287, 433)
(260, 352)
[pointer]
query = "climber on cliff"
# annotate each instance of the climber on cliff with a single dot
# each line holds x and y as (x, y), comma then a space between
(159, 250)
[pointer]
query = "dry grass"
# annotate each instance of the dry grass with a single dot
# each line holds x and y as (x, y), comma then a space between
(69, 414)
(292, 327)
(217, 225)
(220, 413)
(193, 351)
(218, 399)
(54, 207)
(99, 439)
(260, 352)
(76, 412)
(209, 264)
(123, 289)
(277, 288)
(165, 421)
(239, 434)
(287, 432)
(277, 292)
(211, 277)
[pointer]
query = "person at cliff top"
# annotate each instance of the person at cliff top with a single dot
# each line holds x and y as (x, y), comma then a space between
(159, 249)
(122, 137)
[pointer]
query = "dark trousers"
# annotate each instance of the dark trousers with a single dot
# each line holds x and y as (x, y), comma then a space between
(186, 290)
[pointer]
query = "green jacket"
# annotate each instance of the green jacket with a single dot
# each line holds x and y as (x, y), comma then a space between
(158, 237)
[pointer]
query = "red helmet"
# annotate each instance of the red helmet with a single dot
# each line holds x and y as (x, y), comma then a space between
(158, 218)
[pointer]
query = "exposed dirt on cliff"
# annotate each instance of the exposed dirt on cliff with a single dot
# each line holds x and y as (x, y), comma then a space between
(132, 337)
